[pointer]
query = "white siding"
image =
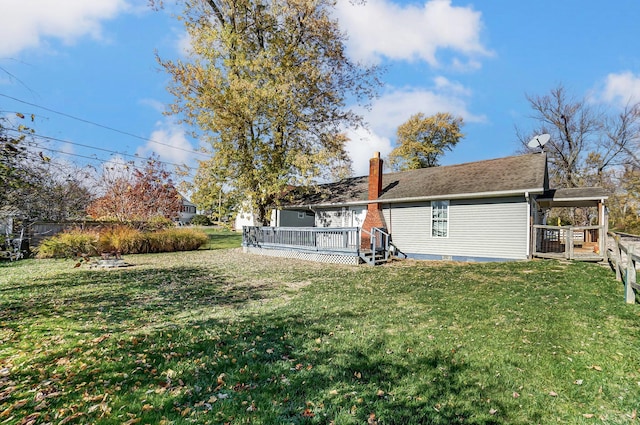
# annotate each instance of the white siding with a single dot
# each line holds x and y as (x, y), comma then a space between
(486, 228)
(341, 217)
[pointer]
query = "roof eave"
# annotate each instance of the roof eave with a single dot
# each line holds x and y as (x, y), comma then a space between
(479, 195)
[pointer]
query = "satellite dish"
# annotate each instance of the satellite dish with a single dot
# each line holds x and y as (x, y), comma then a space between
(539, 141)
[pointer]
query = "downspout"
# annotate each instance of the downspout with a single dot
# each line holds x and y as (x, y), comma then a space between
(529, 224)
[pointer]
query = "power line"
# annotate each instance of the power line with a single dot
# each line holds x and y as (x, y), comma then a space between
(95, 148)
(96, 159)
(102, 126)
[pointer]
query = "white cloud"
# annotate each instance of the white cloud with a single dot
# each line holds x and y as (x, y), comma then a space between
(622, 88)
(395, 107)
(361, 146)
(170, 142)
(27, 24)
(383, 29)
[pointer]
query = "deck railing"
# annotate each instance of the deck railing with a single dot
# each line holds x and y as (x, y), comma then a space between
(320, 239)
(570, 242)
(626, 262)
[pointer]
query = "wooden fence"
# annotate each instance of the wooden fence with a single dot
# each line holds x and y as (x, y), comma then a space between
(625, 261)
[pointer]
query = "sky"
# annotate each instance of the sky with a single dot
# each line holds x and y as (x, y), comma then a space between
(87, 71)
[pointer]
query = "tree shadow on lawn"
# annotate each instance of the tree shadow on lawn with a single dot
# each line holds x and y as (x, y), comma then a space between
(274, 368)
(116, 297)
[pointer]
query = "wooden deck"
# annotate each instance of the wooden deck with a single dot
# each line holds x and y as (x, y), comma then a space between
(342, 245)
(581, 243)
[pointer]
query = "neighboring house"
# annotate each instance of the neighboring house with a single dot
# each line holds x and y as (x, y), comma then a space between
(482, 211)
(187, 211)
(279, 218)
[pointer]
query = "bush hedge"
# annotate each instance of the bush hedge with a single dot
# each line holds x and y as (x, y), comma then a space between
(122, 239)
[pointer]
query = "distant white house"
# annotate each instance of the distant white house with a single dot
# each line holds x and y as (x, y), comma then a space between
(187, 211)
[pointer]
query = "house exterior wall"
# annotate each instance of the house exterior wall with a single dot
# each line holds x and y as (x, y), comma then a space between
(187, 212)
(287, 218)
(341, 217)
(483, 229)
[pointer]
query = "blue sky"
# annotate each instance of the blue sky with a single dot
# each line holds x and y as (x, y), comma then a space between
(96, 61)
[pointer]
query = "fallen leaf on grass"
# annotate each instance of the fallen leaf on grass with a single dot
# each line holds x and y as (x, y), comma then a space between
(308, 413)
(99, 339)
(492, 411)
(30, 420)
(588, 415)
(372, 419)
(70, 418)
(595, 367)
(553, 394)
(516, 394)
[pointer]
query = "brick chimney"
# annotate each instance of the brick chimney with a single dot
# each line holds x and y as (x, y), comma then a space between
(374, 217)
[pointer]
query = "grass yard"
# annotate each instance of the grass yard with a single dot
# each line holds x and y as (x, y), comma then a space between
(220, 238)
(217, 336)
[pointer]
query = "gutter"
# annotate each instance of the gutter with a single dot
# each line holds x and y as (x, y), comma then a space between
(499, 194)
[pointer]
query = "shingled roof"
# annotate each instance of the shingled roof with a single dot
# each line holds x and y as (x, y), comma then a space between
(495, 177)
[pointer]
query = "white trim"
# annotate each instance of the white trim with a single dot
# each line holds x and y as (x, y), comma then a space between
(498, 194)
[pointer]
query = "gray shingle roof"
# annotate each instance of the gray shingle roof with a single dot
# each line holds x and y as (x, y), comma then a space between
(495, 177)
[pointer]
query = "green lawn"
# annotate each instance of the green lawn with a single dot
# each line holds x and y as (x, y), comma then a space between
(221, 238)
(217, 336)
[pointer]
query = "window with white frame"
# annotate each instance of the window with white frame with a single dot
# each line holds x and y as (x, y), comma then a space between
(440, 219)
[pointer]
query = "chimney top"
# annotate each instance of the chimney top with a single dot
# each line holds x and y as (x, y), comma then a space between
(376, 155)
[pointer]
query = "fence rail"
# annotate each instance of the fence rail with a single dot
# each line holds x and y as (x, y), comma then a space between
(570, 242)
(625, 261)
(320, 239)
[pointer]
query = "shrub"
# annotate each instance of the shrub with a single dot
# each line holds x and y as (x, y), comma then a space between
(124, 239)
(200, 220)
(169, 240)
(69, 244)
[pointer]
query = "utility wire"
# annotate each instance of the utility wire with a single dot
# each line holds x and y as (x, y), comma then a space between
(93, 147)
(92, 158)
(101, 125)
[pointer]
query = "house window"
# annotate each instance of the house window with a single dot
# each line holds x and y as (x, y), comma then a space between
(301, 215)
(440, 219)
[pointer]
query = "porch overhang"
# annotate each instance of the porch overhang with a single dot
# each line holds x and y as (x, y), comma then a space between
(573, 197)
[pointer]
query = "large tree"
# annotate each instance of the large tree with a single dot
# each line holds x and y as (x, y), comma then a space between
(422, 140)
(590, 146)
(267, 83)
(586, 143)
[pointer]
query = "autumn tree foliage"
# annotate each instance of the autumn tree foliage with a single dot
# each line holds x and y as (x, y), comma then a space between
(587, 142)
(422, 140)
(266, 83)
(140, 195)
(591, 146)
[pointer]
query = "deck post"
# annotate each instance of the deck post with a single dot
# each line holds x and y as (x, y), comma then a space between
(630, 281)
(617, 257)
(568, 247)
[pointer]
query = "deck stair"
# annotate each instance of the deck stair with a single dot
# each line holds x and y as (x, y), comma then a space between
(374, 258)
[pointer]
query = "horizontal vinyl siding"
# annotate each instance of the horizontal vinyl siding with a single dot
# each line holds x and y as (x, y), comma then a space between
(409, 225)
(487, 228)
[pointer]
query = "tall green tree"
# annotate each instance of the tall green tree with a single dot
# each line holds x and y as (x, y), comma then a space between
(267, 84)
(422, 140)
